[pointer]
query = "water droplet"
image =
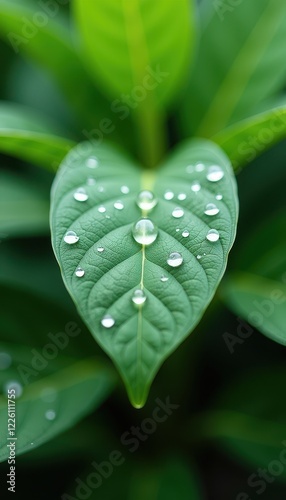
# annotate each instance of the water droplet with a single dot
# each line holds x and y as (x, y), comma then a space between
(219, 196)
(92, 162)
(195, 186)
(15, 386)
(178, 212)
(175, 259)
(185, 234)
(80, 194)
(215, 173)
(182, 196)
(145, 232)
(5, 360)
(101, 209)
(32, 444)
(100, 249)
(49, 394)
(200, 167)
(107, 321)
(139, 297)
(79, 272)
(71, 237)
(164, 278)
(213, 235)
(190, 169)
(50, 415)
(90, 181)
(146, 200)
(101, 189)
(118, 205)
(211, 209)
(169, 195)
(177, 229)
(124, 189)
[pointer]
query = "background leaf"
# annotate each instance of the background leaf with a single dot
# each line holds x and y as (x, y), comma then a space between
(47, 408)
(227, 85)
(121, 40)
(249, 138)
(115, 265)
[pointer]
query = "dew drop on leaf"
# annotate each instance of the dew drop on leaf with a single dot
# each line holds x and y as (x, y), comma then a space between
(178, 212)
(138, 297)
(182, 196)
(71, 237)
(215, 173)
(101, 209)
(146, 200)
(199, 167)
(15, 386)
(5, 360)
(169, 195)
(195, 186)
(175, 259)
(80, 194)
(100, 249)
(107, 321)
(118, 205)
(213, 235)
(164, 278)
(144, 232)
(211, 209)
(124, 189)
(79, 272)
(50, 415)
(185, 234)
(219, 196)
(92, 162)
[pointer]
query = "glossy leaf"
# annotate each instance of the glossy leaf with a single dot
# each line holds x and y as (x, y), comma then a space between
(260, 301)
(24, 209)
(139, 43)
(239, 63)
(47, 406)
(115, 265)
(249, 138)
(26, 134)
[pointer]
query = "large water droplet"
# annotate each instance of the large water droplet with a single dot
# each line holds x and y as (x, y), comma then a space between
(50, 414)
(215, 173)
(107, 321)
(211, 209)
(164, 278)
(199, 167)
(5, 360)
(124, 189)
(195, 186)
(185, 234)
(145, 232)
(146, 200)
(92, 162)
(169, 195)
(79, 272)
(118, 205)
(71, 237)
(178, 212)
(101, 209)
(213, 235)
(175, 259)
(80, 194)
(15, 386)
(138, 297)
(182, 196)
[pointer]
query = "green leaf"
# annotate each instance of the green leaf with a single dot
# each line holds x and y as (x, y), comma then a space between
(249, 138)
(54, 403)
(24, 209)
(126, 43)
(249, 418)
(261, 301)
(51, 45)
(26, 134)
(226, 85)
(142, 337)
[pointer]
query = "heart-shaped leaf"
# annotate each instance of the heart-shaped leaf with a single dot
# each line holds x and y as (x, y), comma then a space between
(141, 287)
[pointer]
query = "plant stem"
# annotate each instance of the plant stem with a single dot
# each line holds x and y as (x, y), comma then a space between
(151, 133)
